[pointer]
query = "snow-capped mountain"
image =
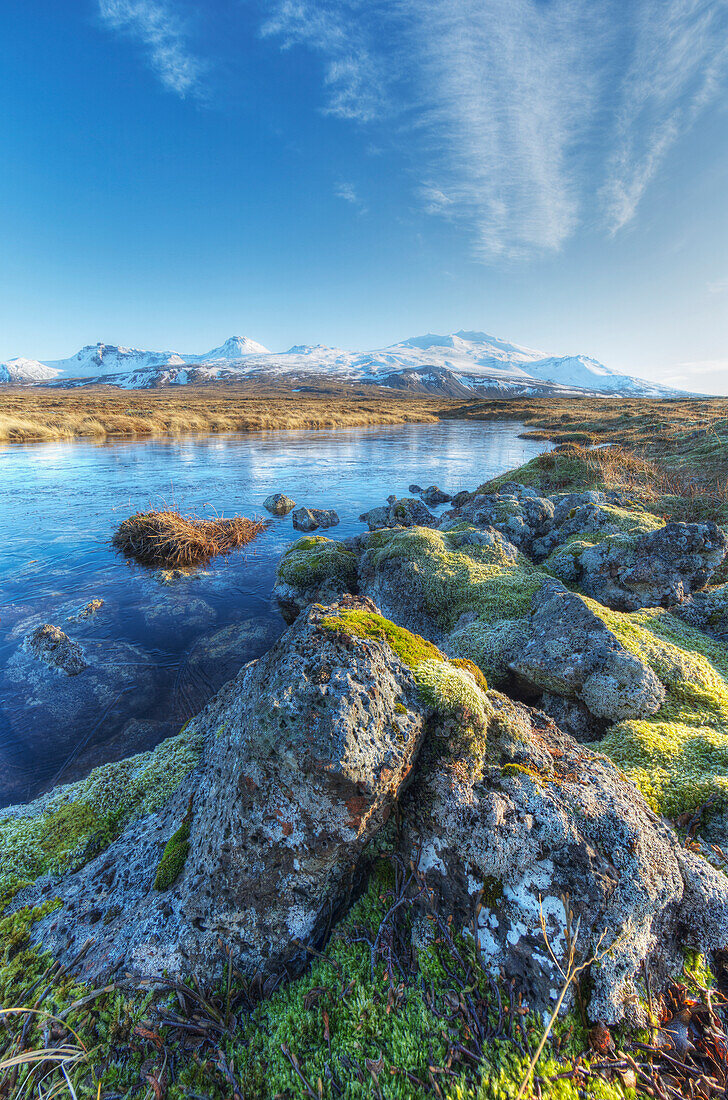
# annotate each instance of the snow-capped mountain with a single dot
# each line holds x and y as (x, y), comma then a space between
(461, 364)
(21, 371)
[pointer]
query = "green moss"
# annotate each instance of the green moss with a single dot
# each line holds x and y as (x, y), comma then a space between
(62, 830)
(698, 970)
(491, 646)
(173, 857)
(314, 559)
(679, 757)
(450, 690)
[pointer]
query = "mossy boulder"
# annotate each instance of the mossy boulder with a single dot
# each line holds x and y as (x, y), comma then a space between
(504, 829)
(657, 569)
(678, 757)
(570, 652)
(313, 570)
(427, 580)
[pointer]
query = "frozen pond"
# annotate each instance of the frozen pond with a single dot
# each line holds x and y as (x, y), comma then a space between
(158, 651)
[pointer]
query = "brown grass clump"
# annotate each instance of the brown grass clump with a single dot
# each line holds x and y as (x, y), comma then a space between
(171, 540)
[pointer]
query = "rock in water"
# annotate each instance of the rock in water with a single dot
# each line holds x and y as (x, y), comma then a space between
(49, 644)
(570, 652)
(305, 754)
(309, 519)
(407, 512)
(313, 570)
(279, 504)
(433, 495)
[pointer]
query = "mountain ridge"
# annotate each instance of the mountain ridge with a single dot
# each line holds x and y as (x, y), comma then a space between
(466, 363)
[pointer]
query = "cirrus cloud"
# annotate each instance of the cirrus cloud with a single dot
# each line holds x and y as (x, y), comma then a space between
(523, 118)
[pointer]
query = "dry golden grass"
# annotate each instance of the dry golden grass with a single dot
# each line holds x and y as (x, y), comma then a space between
(171, 540)
(101, 412)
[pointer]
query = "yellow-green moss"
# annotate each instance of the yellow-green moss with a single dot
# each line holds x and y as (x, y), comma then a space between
(679, 757)
(472, 668)
(410, 648)
(173, 857)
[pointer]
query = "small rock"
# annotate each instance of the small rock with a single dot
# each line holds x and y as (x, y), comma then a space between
(49, 644)
(415, 488)
(86, 611)
(433, 496)
(309, 519)
(279, 504)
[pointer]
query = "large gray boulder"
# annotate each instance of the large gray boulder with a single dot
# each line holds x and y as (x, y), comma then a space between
(305, 753)
(504, 827)
(659, 569)
(570, 652)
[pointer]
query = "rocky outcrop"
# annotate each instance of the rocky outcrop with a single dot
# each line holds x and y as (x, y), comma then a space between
(310, 519)
(55, 649)
(278, 504)
(529, 822)
(517, 512)
(305, 754)
(656, 570)
(260, 832)
(570, 652)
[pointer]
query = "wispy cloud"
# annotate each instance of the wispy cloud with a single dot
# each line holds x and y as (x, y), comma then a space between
(163, 34)
(702, 376)
(349, 193)
(354, 72)
(718, 286)
(679, 60)
(523, 118)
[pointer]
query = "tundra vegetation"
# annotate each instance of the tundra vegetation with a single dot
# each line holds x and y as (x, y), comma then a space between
(606, 726)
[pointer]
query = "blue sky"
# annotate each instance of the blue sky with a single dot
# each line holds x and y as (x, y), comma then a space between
(354, 172)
